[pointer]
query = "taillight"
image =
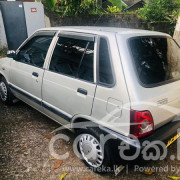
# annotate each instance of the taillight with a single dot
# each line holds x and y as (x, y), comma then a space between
(141, 123)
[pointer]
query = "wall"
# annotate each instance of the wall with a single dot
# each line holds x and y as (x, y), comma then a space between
(3, 41)
(122, 20)
(177, 31)
(34, 21)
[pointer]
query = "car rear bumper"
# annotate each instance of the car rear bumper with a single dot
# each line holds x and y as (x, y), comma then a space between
(163, 134)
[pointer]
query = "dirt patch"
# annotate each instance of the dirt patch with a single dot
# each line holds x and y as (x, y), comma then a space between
(24, 151)
(3, 53)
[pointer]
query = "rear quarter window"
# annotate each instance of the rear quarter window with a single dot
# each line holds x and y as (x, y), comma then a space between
(105, 68)
(156, 60)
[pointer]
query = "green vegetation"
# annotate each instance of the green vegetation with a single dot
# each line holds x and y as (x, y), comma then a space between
(51, 4)
(74, 7)
(113, 9)
(117, 6)
(160, 10)
(153, 10)
(118, 3)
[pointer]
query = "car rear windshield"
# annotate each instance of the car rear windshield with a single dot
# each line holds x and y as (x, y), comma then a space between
(157, 59)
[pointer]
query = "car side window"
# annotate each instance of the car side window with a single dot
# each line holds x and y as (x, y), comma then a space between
(73, 57)
(35, 51)
(105, 70)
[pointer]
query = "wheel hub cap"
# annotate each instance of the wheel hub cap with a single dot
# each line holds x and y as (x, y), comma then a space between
(91, 150)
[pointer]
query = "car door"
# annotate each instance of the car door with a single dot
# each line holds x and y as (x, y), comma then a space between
(69, 82)
(27, 71)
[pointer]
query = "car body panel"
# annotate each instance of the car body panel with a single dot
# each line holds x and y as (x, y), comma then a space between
(63, 88)
(5, 64)
(162, 101)
(127, 93)
(21, 77)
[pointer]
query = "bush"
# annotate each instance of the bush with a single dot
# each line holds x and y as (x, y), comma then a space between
(51, 4)
(87, 6)
(73, 7)
(160, 10)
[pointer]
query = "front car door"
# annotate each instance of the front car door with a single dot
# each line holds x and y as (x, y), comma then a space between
(27, 71)
(69, 83)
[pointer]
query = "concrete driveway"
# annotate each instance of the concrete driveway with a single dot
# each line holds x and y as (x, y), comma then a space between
(24, 151)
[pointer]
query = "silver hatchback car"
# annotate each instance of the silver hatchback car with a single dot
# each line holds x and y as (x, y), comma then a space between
(124, 82)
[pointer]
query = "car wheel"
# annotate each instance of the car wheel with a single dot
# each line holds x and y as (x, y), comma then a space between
(93, 153)
(5, 93)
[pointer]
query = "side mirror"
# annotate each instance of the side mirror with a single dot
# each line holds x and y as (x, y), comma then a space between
(11, 54)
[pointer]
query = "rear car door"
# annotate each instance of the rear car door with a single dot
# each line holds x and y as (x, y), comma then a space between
(69, 84)
(27, 70)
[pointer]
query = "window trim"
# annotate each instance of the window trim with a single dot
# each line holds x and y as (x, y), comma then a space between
(38, 33)
(44, 58)
(111, 63)
(53, 33)
(79, 36)
(134, 65)
(44, 33)
(76, 35)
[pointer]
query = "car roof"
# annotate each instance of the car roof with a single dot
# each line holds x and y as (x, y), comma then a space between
(94, 29)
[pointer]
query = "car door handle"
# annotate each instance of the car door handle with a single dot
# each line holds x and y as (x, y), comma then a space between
(82, 91)
(35, 74)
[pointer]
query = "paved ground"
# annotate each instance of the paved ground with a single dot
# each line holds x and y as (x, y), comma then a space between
(24, 153)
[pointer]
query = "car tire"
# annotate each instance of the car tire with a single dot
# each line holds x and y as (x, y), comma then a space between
(89, 141)
(6, 95)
